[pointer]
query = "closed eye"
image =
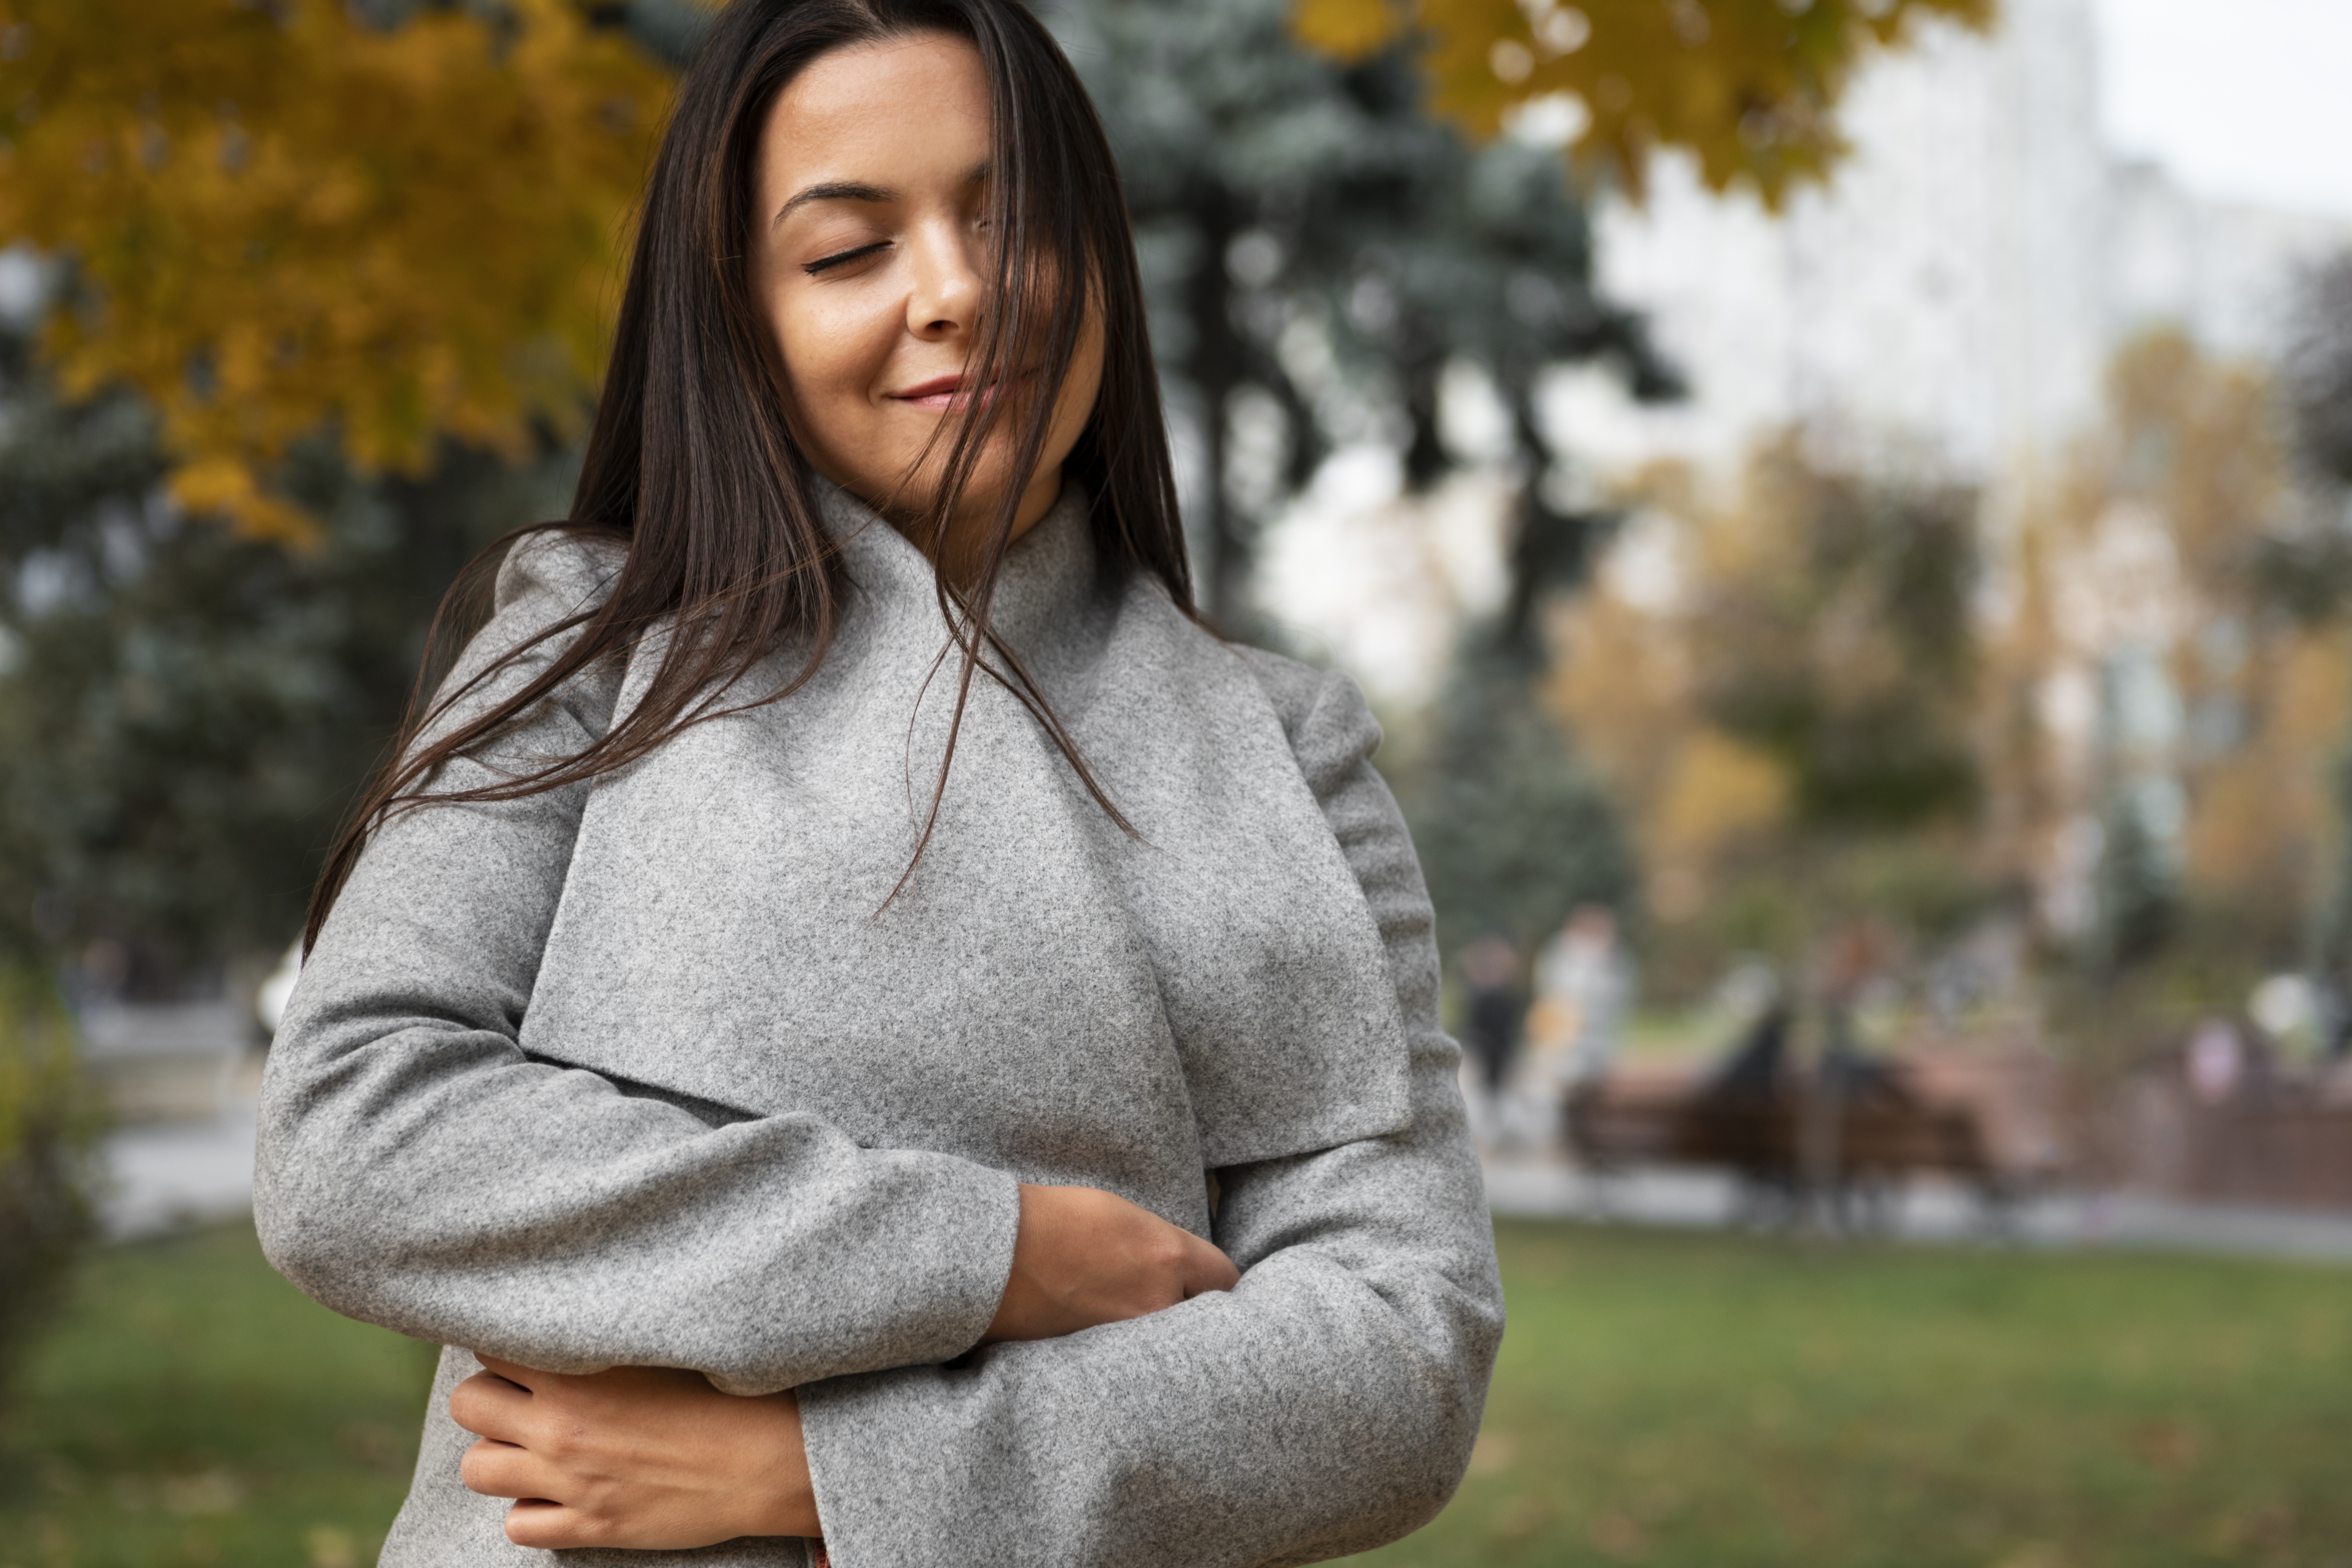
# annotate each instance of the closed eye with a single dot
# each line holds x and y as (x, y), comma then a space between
(840, 258)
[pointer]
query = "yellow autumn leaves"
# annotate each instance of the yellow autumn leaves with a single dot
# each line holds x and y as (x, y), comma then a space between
(1748, 88)
(279, 217)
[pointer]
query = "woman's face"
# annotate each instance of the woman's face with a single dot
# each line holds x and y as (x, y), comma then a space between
(871, 266)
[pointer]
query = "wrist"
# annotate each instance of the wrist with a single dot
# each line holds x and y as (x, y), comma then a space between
(784, 1493)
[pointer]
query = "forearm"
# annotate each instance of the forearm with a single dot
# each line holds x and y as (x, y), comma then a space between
(1326, 1406)
(539, 1215)
(416, 1169)
(647, 1458)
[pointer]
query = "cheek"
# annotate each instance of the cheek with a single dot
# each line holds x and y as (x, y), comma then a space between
(833, 353)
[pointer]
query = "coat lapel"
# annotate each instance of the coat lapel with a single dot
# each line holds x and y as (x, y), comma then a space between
(1044, 991)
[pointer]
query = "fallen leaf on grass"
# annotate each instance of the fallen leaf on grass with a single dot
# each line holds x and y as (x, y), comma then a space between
(330, 1548)
(2168, 1446)
(1619, 1535)
(2034, 1554)
(1520, 1518)
(1494, 1451)
(214, 1491)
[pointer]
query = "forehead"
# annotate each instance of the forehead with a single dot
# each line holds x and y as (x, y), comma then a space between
(893, 101)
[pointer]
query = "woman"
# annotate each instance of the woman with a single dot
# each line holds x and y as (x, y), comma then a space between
(862, 1026)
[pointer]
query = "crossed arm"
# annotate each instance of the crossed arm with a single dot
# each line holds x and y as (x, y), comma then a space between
(1323, 1404)
(654, 1458)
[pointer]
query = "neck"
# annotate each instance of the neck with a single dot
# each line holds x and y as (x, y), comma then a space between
(965, 549)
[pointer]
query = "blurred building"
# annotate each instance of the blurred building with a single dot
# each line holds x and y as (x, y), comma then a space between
(1955, 295)
(1950, 302)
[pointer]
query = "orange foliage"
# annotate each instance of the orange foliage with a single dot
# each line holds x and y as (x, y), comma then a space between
(2147, 552)
(279, 218)
(1749, 87)
(2152, 540)
(2267, 700)
(1701, 803)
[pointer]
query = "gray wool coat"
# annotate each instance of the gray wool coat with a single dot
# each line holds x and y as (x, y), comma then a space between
(633, 1072)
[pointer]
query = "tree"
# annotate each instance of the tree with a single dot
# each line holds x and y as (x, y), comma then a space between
(2173, 595)
(1789, 710)
(2310, 573)
(1843, 647)
(2319, 370)
(183, 711)
(47, 1128)
(308, 215)
(1748, 88)
(1514, 830)
(1318, 252)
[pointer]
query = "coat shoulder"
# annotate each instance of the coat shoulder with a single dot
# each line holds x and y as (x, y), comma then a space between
(1323, 713)
(559, 572)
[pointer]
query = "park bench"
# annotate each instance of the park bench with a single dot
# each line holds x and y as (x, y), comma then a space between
(1840, 1145)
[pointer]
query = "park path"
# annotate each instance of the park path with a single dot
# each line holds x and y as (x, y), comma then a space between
(1537, 1188)
(161, 1177)
(164, 1176)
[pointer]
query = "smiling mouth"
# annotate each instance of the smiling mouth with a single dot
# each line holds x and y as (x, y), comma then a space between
(952, 392)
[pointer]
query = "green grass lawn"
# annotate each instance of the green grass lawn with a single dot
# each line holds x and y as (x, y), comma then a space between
(191, 1407)
(1706, 1402)
(1686, 1400)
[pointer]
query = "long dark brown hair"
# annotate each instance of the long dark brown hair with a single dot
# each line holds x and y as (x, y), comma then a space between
(691, 462)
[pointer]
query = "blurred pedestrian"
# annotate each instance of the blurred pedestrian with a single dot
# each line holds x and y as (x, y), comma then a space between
(1585, 973)
(1494, 1006)
(845, 913)
(1583, 986)
(2216, 1061)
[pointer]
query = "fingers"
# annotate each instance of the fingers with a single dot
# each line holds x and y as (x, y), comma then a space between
(521, 1377)
(1084, 1258)
(551, 1527)
(505, 1469)
(1206, 1268)
(488, 1404)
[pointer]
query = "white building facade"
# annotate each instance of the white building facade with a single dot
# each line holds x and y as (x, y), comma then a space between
(1955, 293)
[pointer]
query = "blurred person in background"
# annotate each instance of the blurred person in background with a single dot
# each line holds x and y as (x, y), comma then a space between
(2216, 1061)
(1585, 977)
(1493, 1009)
(844, 927)
(1583, 986)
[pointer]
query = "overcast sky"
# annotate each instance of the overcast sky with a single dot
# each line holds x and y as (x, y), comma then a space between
(2241, 99)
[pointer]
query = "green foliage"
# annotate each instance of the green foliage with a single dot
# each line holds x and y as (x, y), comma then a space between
(1313, 243)
(2319, 370)
(185, 712)
(2136, 889)
(194, 1409)
(1513, 830)
(46, 1129)
(1847, 652)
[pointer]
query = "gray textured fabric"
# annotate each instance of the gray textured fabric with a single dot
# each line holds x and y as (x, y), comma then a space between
(645, 1072)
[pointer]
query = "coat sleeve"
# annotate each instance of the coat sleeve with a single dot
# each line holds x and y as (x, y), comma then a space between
(416, 1169)
(1326, 1406)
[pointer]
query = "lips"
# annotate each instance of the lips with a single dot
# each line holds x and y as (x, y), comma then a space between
(944, 393)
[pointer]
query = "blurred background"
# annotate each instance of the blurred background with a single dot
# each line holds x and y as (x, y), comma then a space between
(1843, 509)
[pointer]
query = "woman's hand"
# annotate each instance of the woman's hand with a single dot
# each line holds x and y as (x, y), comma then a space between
(652, 1458)
(640, 1457)
(1085, 1257)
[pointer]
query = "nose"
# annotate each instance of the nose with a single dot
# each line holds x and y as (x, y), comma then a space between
(947, 287)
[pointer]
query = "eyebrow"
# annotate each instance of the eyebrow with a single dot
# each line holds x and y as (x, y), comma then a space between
(855, 191)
